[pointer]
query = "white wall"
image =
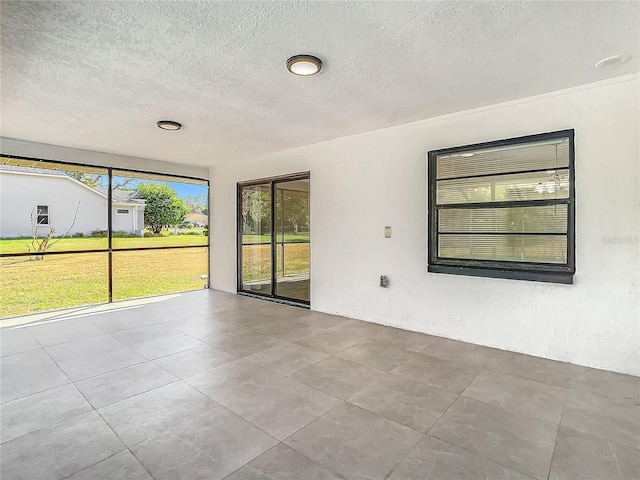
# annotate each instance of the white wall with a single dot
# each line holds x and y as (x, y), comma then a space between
(361, 183)
(21, 193)
(126, 222)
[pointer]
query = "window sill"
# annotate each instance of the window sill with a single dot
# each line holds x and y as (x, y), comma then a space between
(548, 277)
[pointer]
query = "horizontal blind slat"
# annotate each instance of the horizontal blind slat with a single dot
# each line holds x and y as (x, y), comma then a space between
(546, 219)
(553, 184)
(514, 158)
(515, 248)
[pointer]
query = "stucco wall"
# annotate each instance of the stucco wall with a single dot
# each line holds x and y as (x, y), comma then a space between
(361, 183)
(21, 193)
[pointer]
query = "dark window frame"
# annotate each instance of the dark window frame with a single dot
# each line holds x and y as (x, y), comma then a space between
(40, 214)
(534, 271)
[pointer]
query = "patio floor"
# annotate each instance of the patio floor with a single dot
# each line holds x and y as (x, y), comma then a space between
(210, 385)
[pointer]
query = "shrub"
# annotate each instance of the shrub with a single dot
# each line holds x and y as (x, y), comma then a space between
(78, 235)
(205, 232)
(114, 234)
(123, 234)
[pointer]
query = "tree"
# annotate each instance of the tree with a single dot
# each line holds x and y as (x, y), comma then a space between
(96, 180)
(296, 208)
(196, 203)
(92, 180)
(163, 206)
(39, 245)
(256, 210)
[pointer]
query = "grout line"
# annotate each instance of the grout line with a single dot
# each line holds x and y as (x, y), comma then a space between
(466, 449)
(93, 464)
(409, 452)
(476, 454)
(133, 396)
(141, 464)
(555, 443)
(105, 373)
(442, 415)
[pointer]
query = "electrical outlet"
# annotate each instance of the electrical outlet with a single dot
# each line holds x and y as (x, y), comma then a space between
(387, 232)
(384, 281)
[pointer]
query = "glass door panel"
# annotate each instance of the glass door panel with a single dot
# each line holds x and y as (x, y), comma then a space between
(292, 239)
(255, 204)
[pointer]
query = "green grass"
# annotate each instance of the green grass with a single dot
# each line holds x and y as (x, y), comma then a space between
(256, 261)
(20, 245)
(28, 285)
(61, 281)
(288, 237)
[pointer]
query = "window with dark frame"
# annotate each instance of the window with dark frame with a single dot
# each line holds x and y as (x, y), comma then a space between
(504, 209)
(42, 215)
(122, 211)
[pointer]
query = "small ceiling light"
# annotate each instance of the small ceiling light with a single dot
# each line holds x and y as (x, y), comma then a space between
(304, 65)
(467, 154)
(612, 61)
(169, 125)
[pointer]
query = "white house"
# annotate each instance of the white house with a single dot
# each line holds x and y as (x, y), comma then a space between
(50, 198)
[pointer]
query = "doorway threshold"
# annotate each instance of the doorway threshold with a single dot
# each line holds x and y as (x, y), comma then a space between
(283, 301)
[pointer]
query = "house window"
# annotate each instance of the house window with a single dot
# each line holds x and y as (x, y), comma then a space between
(42, 215)
(122, 211)
(504, 209)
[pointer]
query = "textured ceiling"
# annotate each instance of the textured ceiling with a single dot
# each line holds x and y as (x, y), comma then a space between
(98, 75)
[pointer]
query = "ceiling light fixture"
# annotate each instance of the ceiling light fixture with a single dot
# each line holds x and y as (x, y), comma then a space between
(304, 65)
(612, 61)
(169, 125)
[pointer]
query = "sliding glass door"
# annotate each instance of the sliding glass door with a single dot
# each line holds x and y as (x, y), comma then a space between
(292, 238)
(255, 212)
(273, 238)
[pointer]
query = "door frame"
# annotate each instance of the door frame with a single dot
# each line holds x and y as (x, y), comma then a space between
(272, 181)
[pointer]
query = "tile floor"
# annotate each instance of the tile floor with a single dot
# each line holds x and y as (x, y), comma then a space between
(208, 385)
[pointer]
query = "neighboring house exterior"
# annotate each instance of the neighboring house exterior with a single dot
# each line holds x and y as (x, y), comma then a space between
(53, 197)
(196, 219)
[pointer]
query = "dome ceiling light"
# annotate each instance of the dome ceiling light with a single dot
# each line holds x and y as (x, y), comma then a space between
(169, 125)
(304, 65)
(612, 61)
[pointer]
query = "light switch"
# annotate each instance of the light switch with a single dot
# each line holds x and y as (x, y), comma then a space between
(387, 232)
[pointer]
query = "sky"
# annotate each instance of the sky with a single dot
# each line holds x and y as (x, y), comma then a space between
(183, 189)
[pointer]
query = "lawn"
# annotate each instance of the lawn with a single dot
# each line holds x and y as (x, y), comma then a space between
(20, 245)
(60, 281)
(256, 260)
(288, 237)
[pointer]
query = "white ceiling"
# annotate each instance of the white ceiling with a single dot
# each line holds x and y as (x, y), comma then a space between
(98, 75)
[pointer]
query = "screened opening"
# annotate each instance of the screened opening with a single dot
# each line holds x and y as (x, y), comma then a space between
(504, 208)
(74, 235)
